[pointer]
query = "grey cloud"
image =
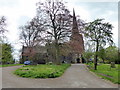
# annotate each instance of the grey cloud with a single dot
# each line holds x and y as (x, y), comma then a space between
(101, 9)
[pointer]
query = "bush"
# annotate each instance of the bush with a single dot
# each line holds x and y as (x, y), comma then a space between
(41, 71)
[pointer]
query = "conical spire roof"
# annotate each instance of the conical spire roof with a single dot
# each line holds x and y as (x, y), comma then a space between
(75, 25)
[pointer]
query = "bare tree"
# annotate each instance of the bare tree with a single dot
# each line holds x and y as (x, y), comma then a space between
(59, 22)
(31, 35)
(2, 28)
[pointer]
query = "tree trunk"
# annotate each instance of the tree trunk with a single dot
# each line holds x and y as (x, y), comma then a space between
(96, 56)
(95, 62)
(57, 53)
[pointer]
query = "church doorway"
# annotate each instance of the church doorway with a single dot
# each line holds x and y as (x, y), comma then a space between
(78, 60)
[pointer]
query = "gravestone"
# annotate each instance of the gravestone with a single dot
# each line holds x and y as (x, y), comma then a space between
(113, 65)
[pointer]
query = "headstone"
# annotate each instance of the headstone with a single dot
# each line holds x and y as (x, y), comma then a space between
(113, 65)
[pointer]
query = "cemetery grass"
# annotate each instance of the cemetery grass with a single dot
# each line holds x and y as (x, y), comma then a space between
(41, 71)
(106, 72)
(7, 65)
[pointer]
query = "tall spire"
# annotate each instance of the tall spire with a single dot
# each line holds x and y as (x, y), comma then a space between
(75, 25)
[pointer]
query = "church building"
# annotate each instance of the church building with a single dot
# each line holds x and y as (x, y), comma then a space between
(74, 55)
(76, 42)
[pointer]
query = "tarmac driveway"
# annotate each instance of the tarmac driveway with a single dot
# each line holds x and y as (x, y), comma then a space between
(77, 76)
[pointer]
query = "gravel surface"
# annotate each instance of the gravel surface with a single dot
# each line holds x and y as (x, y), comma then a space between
(77, 76)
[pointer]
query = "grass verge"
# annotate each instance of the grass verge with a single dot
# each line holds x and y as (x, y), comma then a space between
(104, 71)
(41, 71)
(7, 65)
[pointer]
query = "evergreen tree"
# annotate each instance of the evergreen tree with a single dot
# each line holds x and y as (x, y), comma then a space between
(6, 54)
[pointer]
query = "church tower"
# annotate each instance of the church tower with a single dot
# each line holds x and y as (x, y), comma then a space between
(76, 40)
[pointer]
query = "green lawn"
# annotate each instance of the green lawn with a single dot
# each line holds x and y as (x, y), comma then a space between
(106, 72)
(41, 71)
(7, 65)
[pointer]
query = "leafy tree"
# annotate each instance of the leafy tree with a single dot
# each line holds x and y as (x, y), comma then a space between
(3, 30)
(87, 56)
(118, 56)
(112, 54)
(100, 33)
(7, 54)
(58, 22)
(102, 54)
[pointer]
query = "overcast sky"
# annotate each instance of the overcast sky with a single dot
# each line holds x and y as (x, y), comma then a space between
(18, 12)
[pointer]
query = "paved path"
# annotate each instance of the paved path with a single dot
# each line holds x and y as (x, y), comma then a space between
(77, 76)
(0, 78)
